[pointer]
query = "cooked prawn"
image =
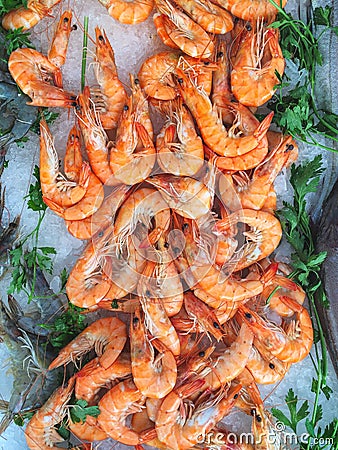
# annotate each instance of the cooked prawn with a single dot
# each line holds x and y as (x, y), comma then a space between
(252, 82)
(93, 376)
(182, 432)
(54, 185)
(251, 10)
(40, 432)
(291, 345)
(73, 158)
(87, 430)
(106, 336)
(211, 127)
(184, 32)
(115, 406)
(265, 234)
(179, 148)
(111, 95)
(212, 18)
(40, 79)
(58, 49)
(154, 376)
(159, 22)
(188, 197)
(27, 18)
(129, 12)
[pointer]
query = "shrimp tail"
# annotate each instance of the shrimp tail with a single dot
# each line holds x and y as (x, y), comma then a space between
(51, 96)
(263, 127)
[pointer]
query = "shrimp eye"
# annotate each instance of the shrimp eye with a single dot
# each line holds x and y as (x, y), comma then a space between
(77, 107)
(252, 412)
(176, 250)
(248, 315)
(220, 54)
(201, 354)
(180, 80)
(73, 97)
(135, 320)
(185, 227)
(236, 20)
(66, 20)
(148, 294)
(236, 396)
(258, 418)
(206, 63)
(100, 234)
(101, 38)
(137, 81)
(166, 245)
(125, 108)
(271, 365)
(215, 325)
(289, 147)
(248, 27)
(74, 27)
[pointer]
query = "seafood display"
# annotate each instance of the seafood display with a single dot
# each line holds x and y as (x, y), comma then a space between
(170, 180)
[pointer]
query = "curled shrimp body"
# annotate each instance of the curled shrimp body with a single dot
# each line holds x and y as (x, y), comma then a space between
(179, 148)
(190, 37)
(58, 49)
(140, 421)
(232, 361)
(106, 336)
(156, 75)
(252, 82)
(111, 96)
(40, 79)
(210, 125)
(27, 18)
(188, 197)
(154, 376)
(184, 432)
(87, 430)
(159, 22)
(40, 431)
(250, 10)
(89, 280)
(115, 406)
(92, 377)
(265, 234)
(212, 18)
(253, 192)
(291, 344)
(54, 185)
(102, 218)
(129, 12)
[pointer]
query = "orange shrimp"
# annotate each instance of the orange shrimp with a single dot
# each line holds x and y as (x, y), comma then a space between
(179, 148)
(156, 75)
(182, 432)
(106, 336)
(265, 234)
(40, 432)
(212, 18)
(54, 185)
(115, 406)
(58, 49)
(92, 377)
(73, 158)
(95, 139)
(89, 280)
(156, 318)
(232, 361)
(254, 192)
(252, 82)
(212, 130)
(87, 430)
(139, 422)
(129, 12)
(188, 197)
(159, 22)
(27, 18)
(221, 92)
(184, 32)
(291, 345)
(154, 376)
(251, 10)
(111, 95)
(40, 79)
(102, 218)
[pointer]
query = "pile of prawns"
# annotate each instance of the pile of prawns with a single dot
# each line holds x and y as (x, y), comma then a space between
(181, 244)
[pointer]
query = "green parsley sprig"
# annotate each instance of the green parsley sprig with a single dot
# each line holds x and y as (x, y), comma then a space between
(296, 111)
(28, 255)
(8, 5)
(307, 264)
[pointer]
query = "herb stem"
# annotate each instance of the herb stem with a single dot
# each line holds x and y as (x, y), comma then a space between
(84, 52)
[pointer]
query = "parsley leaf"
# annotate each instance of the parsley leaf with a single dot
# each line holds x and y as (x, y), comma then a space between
(80, 411)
